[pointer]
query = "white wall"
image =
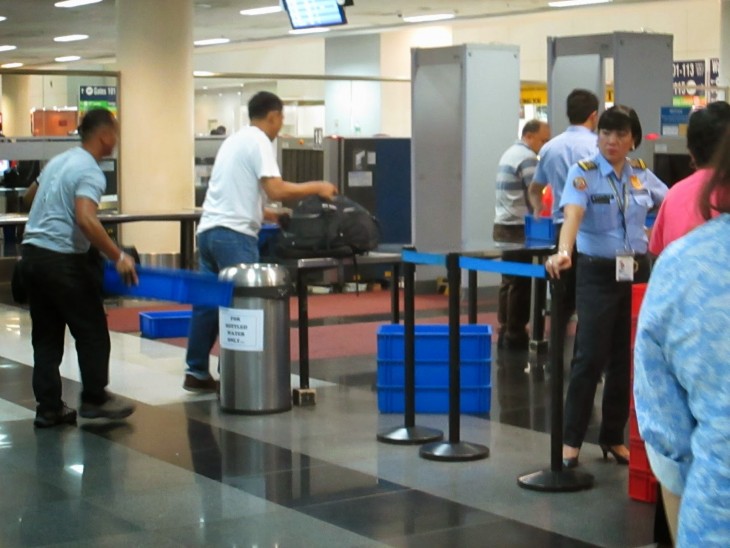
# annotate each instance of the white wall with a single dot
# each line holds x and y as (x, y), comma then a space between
(292, 56)
(695, 26)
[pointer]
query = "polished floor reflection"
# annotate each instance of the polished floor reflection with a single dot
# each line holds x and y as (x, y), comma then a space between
(181, 473)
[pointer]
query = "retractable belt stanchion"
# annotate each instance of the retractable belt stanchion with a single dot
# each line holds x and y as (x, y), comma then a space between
(472, 296)
(454, 449)
(409, 433)
(556, 478)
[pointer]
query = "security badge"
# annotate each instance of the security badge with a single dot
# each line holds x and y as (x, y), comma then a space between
(580, 183)
(626, 265)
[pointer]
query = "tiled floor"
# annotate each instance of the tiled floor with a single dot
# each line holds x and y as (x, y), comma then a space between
(181, 473)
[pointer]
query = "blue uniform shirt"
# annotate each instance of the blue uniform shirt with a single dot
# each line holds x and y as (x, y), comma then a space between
(52, 219)
(601, 233)
(557, 155)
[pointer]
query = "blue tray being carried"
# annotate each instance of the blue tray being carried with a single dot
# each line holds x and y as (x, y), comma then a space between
(164, 284)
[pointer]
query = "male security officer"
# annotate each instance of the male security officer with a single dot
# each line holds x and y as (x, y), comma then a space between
(575, 143)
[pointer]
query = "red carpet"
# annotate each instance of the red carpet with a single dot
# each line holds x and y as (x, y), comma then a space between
(126, 319)
(337, 341)
(331, 341)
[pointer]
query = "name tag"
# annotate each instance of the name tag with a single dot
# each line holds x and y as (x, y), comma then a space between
(625, 267)
(601, 199)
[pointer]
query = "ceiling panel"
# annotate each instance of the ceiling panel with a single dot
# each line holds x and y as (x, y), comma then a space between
(32, 24)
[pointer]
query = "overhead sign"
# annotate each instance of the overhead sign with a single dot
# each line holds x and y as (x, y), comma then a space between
(688, 75)
(97, 97)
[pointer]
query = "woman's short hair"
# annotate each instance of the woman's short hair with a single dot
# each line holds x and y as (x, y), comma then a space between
(621, 117)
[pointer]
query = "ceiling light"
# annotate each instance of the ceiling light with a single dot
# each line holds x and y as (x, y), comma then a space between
(427, 18)
(573, 3)
(74, 3)
(67, 58)
(212, 41)
(7, 48)
(11, 65)
(313, 30)
(2, 18)
(71, 38)
(261, 11)
(203, 73)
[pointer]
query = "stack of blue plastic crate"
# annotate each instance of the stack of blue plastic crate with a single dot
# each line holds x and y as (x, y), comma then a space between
(432, 368)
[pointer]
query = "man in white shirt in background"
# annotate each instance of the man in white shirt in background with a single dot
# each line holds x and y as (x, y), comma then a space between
(245, 172)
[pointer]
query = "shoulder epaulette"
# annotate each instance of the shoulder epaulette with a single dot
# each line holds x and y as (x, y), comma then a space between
(638, 163)
(587, 165)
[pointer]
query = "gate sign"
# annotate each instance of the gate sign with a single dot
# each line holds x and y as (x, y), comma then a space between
(687, 76)
(97, 97)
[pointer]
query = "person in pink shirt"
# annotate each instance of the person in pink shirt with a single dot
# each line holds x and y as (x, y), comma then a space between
(680, 212)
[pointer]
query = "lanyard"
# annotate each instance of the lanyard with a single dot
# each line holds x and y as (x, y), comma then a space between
(623, 204)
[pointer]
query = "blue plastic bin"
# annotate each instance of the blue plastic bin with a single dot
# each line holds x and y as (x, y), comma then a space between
(432, 368)
(432, 342)
(430, 399)
(539, 230)
(166, 284)
(165, 325)
(267, 239)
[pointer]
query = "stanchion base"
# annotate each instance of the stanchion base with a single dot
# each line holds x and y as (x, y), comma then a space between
(454, 452)
(562, 481)
(304, 397)
(410, 435)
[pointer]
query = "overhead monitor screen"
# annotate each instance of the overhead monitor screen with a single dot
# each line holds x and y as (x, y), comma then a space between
(305, 14)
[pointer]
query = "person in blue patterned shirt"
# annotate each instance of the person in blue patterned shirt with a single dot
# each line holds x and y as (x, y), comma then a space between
(681, 376)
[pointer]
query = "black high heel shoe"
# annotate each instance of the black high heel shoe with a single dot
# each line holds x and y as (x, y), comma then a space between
(570, 462)
(620, 459)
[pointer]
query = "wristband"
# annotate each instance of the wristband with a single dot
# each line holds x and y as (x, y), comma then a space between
(121, 257)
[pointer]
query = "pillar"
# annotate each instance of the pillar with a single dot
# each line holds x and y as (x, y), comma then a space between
(724, 76)
(155, 59)
(16, 105)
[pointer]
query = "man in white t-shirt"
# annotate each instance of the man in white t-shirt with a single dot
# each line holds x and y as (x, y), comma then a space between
(245, 172)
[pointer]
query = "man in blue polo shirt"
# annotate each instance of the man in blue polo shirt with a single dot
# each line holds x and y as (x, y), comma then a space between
(63, 286)
(576, 143)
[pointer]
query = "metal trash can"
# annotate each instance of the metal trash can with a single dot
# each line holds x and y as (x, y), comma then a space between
(255, 362)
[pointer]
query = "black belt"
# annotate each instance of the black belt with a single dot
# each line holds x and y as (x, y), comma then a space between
(606, 260)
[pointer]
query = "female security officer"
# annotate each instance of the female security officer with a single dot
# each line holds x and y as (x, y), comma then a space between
(605, 202)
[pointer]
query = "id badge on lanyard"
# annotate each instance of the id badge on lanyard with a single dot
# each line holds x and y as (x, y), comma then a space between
(626, 265)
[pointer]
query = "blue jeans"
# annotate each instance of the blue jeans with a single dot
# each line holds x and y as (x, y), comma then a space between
(219, 248)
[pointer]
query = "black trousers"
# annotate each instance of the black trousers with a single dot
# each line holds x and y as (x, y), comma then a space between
(602, 344)
(513, 313)
(65, 290)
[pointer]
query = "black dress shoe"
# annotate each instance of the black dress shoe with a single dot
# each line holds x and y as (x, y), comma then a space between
(570, 462)
(47, 419)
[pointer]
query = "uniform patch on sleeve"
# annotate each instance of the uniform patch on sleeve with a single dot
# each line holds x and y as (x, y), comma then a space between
(587, 165)
(636, 182)
(579, 183)
(638, 163)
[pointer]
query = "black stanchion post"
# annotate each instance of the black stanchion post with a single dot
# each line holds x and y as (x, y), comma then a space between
(454, 449)
(538, 344)
(409, 433)
(394, 304)
(556, 478)
(472, 296)
(303, 395)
